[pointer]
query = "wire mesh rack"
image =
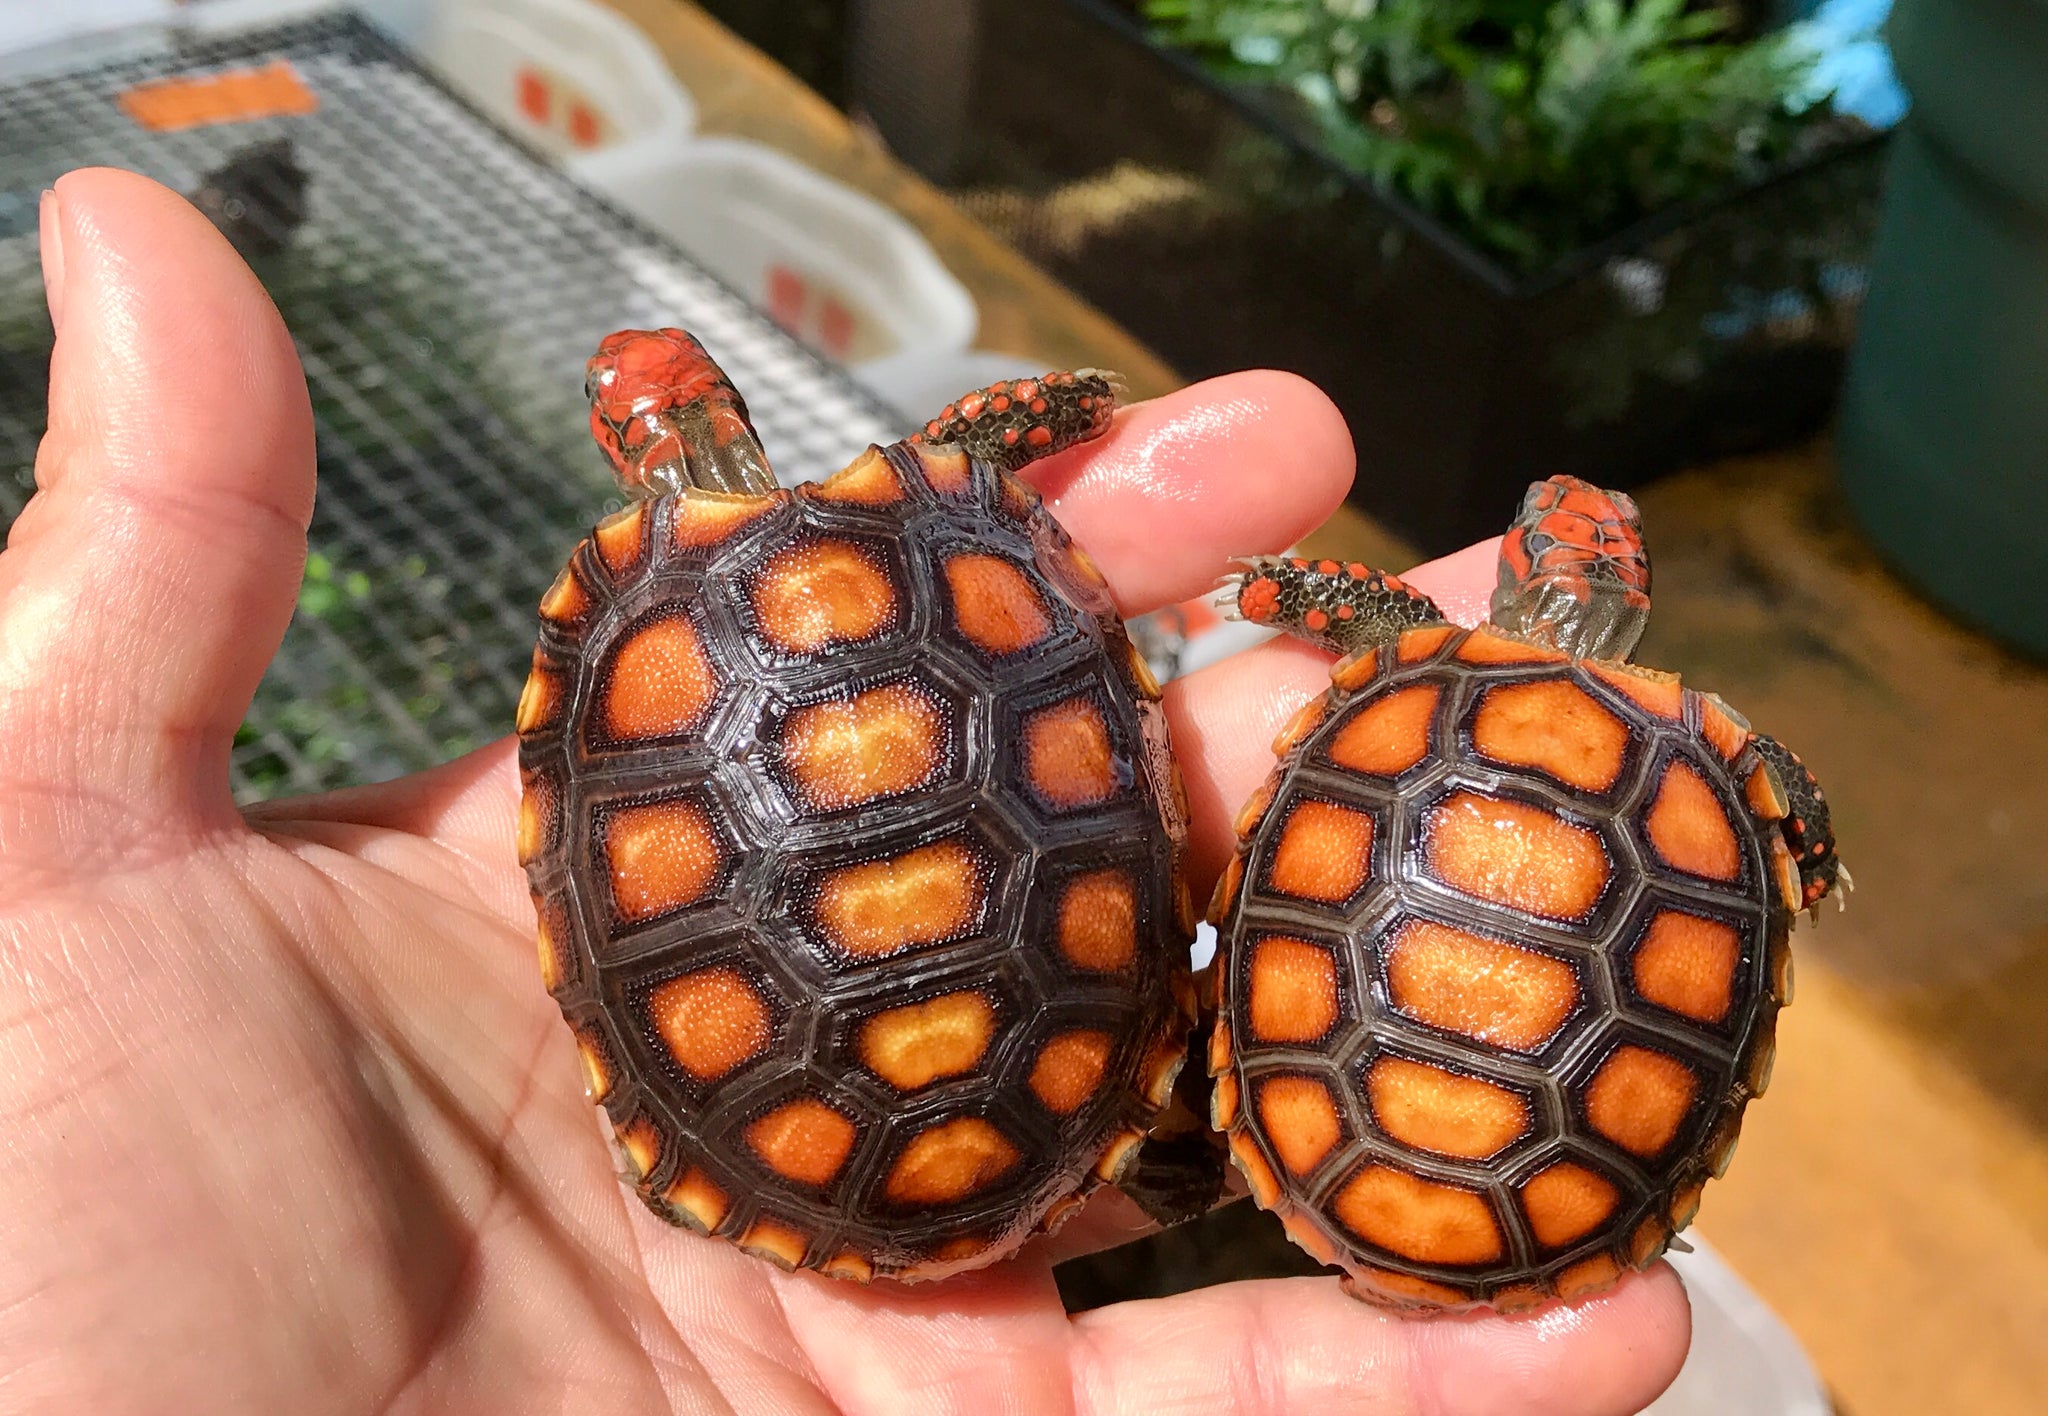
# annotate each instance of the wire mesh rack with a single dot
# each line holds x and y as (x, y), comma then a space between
(444, 287)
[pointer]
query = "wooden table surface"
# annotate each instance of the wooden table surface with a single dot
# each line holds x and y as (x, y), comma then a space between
(1891, 1197)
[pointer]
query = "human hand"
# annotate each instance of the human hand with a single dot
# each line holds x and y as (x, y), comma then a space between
(291, 1123)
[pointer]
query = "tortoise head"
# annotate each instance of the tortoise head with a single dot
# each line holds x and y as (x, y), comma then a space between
(1574, 571)
(666, 416)
(1808, 828)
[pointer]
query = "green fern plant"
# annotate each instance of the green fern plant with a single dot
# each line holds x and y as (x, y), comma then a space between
(1532, 127)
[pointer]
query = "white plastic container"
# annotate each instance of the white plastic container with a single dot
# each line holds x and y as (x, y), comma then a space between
(841, 272)
(1743, 1358)
(573, 78)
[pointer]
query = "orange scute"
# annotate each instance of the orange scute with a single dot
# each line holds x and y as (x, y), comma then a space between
(1719, 725)
(775, 1241)
(803, 1140)
(705, 518)
(711, 1021)
(697, 1197)
(1389, 735)
(1404, 1290)
(1355, 671)
(539, 807)
(1418, 1219)
(949, 1162)
(1651, 690)
(1416, 645)
(566, 601)
(921, 897)
(1588, 1276)
(660, 856)
(1300, 1120)
(1305, 721)
(1516, 854)
(1565, 1202)
(539, 700)
(1687, 964)
(1325, 852)
(1067, 756)
(1069, 1069)
(918, 1043)
(1483, 646)
(620, 539)
(820, 593)
(1293, 986)
(1433, 1109)
(946, 470)
(868, 480)
(1689, 827)
(1098, 921)
(1554, 726)
(995, 604)
(1487, 989)
(1258, 1175)
(659, 682)
(552, 959)
(597, 1067)
(1639, 1097)
(642, 1145)
(879, 743)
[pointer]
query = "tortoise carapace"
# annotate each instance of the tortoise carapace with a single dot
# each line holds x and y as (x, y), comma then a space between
(853, 830)
(1504, 941)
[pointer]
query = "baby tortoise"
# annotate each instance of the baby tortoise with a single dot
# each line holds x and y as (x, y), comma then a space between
(853, 830)
(1505, 938)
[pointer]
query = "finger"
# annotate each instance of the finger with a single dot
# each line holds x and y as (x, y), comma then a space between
(1299, 1345)
(1462, 582)
(1240, 465)
(1225, 717)
(146, 585)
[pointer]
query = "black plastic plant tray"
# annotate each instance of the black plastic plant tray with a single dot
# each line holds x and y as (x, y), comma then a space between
(444, 286)
(1206, 223)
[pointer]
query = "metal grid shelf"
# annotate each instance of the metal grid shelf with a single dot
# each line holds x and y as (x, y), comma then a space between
(444, 287)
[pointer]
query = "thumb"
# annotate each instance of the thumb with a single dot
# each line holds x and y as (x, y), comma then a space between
(146, 585)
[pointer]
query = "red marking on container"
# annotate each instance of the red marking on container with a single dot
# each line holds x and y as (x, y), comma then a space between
(786, 295)
(536, 99)
(835, 326)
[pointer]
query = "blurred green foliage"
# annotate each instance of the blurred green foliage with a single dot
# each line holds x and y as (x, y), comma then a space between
(1531, 127)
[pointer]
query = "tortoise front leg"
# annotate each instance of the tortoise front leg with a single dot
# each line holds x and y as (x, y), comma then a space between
(1342, 607)
(1015, 422)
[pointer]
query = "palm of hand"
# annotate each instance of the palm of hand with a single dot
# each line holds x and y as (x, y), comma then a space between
(291, 1122)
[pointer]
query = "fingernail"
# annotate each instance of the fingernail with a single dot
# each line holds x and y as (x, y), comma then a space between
(51, 231)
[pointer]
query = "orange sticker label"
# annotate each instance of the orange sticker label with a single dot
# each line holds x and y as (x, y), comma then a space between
(230, 96)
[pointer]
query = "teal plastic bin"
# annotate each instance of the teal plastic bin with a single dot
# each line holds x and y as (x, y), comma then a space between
(1944, 425)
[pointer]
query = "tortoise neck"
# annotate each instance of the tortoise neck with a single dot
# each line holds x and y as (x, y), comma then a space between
(707, 444)
(1587, 616)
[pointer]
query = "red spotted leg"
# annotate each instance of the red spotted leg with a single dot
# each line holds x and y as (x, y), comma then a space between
(667, 417)
(1343, 606)
(1808, 827)
(1018, 421)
